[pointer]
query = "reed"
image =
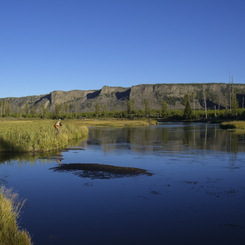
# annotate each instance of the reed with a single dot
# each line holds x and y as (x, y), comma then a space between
(24, 136)
(233, 125)
(9, 213)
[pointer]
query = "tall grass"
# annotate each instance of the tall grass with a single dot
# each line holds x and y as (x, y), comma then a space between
(37, 135)
(10, 234)
(233, 125)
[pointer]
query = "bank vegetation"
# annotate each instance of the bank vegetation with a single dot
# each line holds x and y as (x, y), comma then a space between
(235, 125)
(10, 233)
(37, 135)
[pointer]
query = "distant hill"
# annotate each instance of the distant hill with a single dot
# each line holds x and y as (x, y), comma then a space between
(217, 94)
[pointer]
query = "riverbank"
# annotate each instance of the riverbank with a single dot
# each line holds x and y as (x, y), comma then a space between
(9, 213)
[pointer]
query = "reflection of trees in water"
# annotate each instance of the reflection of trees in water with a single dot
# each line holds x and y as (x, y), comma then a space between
(30, 158)
(166, 138)
(99, 171)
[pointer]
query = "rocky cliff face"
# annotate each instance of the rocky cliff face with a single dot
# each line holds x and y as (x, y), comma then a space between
(216, 94)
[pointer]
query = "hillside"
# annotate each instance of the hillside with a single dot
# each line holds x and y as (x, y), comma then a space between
(84, 101)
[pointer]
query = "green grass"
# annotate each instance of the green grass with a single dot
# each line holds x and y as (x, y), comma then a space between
(112, 122)
(37, 135)
(10, 233)
(238, 125)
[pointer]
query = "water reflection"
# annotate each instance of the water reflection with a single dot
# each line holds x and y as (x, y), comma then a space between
(100, 171)
(167, 137)
(27, 157)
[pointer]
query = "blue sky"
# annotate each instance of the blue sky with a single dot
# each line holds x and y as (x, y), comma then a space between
(48, 45)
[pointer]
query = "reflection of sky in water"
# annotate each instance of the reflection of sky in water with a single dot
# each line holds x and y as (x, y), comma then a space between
(196, 195)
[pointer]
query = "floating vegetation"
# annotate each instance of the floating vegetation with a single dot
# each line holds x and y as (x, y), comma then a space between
(100, 171)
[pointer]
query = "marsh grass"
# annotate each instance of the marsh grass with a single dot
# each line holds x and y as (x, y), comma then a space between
(10, 207)
(238, 125)
(113, 122)
(39, 135)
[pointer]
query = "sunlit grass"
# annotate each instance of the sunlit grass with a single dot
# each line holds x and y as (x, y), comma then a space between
(112, 122)
(10, 234)
(37, 135)
(233, 125)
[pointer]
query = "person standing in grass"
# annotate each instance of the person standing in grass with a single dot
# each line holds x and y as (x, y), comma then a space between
(58, 125)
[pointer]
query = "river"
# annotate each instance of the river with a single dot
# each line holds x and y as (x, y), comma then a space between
(173, 183)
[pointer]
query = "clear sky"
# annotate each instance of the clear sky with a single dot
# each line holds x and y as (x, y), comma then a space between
(48, 45)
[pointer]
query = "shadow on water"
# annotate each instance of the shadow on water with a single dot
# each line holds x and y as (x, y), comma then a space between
(100, 171)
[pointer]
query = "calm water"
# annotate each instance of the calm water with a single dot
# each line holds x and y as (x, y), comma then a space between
(194, 192)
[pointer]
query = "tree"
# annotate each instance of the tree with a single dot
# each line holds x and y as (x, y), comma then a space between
(97, 109)
(70, 108)
(58, 110)
(76, 106)
(45, 112)
(164, 109)
(33, 110)
(42, 107)
(19, 109)
(147, 107)
(105, 110)
(26, 109)
(193, 98)
(235, 103)
(5, 108)
(205, 102)
(1, 106)
(115, 111)
(130, 107)
(187, 110)
(66, 107)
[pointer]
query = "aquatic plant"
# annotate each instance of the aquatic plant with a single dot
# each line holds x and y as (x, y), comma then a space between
(9, 213)
(100, 171)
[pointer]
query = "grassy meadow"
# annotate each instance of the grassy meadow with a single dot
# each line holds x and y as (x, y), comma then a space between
(9, 213)
(37, 135)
